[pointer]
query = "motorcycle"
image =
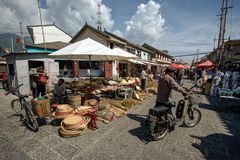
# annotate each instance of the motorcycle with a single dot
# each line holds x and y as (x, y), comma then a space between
(161, 120)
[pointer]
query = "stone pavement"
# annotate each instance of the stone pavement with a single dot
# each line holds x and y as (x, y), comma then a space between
(216, 137)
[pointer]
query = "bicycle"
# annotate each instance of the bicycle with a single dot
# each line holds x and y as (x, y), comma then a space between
(20, 104)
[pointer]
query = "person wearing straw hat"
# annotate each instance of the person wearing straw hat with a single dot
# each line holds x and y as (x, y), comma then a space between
(59, 92)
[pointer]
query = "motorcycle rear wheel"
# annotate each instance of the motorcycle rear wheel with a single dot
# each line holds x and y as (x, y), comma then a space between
(161, 135)
(193, 117)
(158, 132)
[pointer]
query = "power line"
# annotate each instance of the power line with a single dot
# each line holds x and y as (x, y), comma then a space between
(186, 55)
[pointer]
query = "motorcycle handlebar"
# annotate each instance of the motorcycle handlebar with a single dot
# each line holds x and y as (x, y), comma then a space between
(13, 90)
(188, 89)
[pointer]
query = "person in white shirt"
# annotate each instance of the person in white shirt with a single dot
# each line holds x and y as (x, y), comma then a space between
(143, 77)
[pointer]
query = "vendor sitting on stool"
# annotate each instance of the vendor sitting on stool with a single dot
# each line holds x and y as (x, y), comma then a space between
(59, 92)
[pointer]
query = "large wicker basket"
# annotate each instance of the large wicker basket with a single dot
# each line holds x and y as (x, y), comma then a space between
(41, 107)
(75, 100)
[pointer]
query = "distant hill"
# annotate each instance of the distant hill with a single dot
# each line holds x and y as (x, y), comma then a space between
(5, 41)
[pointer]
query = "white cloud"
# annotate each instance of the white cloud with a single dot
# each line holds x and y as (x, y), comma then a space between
(147, 23)
(69, 15)
(118, 33)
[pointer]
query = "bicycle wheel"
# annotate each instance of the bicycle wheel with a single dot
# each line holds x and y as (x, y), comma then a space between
(31, 120)
(16, 106)
(193, 117)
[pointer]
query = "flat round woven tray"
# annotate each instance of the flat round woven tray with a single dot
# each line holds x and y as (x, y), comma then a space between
(73, 120)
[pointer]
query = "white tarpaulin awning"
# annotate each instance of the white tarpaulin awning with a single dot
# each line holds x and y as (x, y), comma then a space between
(88, 49)
(125, 53)
(162, 61)
(150, 63)
(136, 61)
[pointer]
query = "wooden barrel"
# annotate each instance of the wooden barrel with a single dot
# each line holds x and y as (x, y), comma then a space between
(75, 100)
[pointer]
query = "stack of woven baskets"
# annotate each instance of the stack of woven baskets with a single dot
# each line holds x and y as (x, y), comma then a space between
(75, 125)
(63, 111)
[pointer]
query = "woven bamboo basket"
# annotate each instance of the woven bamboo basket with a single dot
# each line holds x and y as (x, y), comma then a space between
(75, 100)
(41, 107)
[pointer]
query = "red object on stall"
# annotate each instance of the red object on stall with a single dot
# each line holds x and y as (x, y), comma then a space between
(43, 78)
(186, 66)
(207, 63)
(108, 69)
(176, 66)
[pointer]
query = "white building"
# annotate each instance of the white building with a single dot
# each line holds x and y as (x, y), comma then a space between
(52, 33)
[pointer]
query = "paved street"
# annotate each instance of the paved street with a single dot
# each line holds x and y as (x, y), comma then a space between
(216, 137)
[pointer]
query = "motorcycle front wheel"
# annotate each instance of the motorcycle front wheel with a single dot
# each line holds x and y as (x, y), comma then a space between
(193, 117)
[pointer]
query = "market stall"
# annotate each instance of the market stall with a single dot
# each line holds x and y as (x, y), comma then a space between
(95, 98)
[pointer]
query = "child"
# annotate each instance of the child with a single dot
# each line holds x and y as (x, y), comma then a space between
(59, 92)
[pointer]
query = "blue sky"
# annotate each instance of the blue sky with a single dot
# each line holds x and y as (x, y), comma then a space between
(180, 26)
(191, 24)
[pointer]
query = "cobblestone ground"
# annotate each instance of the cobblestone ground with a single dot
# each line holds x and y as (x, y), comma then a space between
(216, 137)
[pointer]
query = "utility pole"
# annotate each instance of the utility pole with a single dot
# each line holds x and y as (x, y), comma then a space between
(99, 19)
(22, 45)
(12, 48)
(197, 54)
(41, 25)
(222, 29)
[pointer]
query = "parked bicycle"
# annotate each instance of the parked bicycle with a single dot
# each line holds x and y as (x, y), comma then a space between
(161, 120)
(21, 104)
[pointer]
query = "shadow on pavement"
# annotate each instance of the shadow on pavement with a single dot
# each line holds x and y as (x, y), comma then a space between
(141, 131)
(220, 145)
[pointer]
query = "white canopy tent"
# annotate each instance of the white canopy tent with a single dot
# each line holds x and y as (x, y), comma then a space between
(87, 49)
(136, 61)
(90, 50)
(124, 53)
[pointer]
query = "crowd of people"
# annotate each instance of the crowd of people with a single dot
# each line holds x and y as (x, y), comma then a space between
(227, 77)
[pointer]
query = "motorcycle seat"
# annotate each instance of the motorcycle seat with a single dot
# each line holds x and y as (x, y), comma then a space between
(159, 111)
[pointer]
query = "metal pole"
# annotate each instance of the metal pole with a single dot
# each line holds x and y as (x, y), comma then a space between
(90, 68)
(41, 25)
(12, 48)
(22, 40)
(197, 55)
(221, 25)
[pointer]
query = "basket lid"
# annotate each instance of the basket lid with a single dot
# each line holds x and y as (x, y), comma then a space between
(64, 108)
(84, 108)
(73, 120)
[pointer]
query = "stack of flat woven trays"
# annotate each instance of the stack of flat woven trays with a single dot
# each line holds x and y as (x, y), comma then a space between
(74, 125)
(63, 111)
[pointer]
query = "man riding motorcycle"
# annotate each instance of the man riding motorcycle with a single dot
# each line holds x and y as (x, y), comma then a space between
(165, 85)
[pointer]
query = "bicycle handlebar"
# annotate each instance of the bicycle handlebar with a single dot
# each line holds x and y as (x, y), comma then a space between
(13, 90)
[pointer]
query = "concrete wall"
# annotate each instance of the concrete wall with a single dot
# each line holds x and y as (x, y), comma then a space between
(22, 73)
(22, 70)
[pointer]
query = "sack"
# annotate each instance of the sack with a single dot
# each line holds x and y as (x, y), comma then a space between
(42, 78)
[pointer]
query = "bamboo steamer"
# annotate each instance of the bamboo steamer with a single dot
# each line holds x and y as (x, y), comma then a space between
(75, 100)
